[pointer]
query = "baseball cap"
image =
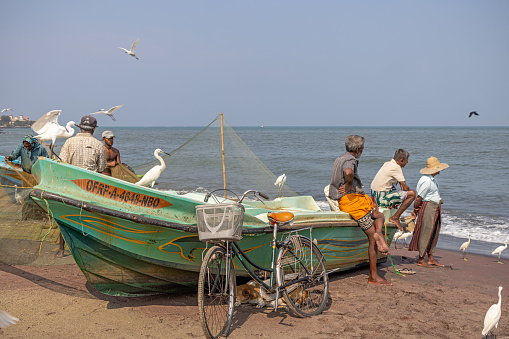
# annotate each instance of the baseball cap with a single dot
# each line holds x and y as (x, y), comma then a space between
(88, 122)
(108, 134)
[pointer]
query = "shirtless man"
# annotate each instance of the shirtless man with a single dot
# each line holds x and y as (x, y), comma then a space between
(112, 154)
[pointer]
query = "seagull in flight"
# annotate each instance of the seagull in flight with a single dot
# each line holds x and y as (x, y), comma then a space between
(6, 109)
(472, 113)
(131, 52)
(109, 112)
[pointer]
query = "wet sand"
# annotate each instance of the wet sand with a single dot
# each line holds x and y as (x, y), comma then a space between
(57, 302)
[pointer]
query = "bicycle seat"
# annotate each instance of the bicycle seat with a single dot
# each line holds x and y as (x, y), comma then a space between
(280, 218)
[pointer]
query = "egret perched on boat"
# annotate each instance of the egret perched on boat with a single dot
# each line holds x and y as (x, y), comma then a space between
(108, 112)
(464, 247)
(131, 52)
(499, 250)
(493, 315)
(153, 174)
(280, 181)
(17, 196)
(395, 238)
(47, 128)
(405, 236)
(6, 110)
(6, 319)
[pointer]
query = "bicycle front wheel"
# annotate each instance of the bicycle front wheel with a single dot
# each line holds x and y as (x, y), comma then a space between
(216, 293)
(301, 265)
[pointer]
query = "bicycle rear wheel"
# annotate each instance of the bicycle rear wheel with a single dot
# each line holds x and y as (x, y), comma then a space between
(300, 259)
(216, 293)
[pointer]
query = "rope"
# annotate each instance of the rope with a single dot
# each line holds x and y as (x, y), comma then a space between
(394, 267)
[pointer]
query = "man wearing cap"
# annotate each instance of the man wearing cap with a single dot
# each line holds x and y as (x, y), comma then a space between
(112, 154)
(428, 210)
(83, 150)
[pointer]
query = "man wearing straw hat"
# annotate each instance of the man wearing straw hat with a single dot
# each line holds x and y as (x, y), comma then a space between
(429, 218)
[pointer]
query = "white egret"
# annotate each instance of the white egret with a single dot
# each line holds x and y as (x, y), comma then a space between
(17, 196)
(280, 181)
(405, 236)
(47, 128)
(395, 238)
(493, 315)
(6, 319)
(499, 250)
(131, 52)
(6, 110)
(464, 247)
(109, 112)
(153, 174)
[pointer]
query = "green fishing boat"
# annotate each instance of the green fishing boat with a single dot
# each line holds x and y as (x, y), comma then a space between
(132, 240)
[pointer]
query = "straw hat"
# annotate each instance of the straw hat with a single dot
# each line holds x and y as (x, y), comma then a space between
(433, 166)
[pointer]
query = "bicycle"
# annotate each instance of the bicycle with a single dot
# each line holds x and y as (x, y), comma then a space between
(297, 272)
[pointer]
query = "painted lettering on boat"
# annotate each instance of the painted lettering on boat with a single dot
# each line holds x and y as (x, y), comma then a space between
(120, 194)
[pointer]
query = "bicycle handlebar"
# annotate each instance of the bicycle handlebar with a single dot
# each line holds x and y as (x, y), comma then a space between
(256, 193)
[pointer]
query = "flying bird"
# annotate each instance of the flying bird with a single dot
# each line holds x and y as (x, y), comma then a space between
(108, 112)
(153, 174)
(6, 109)
(493, 315)
(47, 128)
(6, 319)
(464, 247)
(280, 181)
(472, 113)
(131, 52)
(499, 250)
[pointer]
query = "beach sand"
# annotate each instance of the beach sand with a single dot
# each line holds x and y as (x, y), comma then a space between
(450, 302)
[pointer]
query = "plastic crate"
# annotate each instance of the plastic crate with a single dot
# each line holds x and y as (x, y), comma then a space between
(220, 222)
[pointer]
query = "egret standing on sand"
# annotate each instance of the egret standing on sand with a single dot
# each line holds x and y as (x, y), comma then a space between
(493, 315)
(131, 52)
(499, 250)
(6, 319)
(280, 181)
(47, 128)
(464, 247)
(395, 238)
(405, 236)
(109, 112)
(153, 174)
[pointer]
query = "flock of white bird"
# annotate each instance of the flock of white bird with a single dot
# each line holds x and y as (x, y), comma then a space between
(498, 250)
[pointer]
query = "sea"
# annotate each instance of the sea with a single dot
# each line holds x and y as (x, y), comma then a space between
(472, 188)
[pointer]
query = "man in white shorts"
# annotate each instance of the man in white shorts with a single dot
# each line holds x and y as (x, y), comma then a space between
(383, 187)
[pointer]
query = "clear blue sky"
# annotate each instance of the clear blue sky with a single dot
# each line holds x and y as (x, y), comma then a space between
(290, 63)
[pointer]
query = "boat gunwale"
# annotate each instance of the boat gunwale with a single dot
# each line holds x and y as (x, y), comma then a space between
(45, 195)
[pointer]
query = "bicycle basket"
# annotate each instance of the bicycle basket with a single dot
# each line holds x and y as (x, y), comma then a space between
(220, 221)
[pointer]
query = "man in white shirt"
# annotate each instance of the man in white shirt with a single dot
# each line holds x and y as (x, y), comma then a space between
(383, 187)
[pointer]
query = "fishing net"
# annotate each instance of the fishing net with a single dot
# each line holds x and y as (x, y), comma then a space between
(27, 235)
(197, 165)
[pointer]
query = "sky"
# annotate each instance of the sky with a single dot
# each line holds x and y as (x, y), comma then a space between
(270, 63)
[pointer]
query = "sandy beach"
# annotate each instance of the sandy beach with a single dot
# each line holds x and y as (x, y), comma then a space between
(450, 302)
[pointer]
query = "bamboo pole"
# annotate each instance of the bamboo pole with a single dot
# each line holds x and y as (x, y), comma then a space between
(222, 150)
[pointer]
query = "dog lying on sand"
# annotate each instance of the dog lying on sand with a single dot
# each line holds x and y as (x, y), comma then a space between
(253, 293)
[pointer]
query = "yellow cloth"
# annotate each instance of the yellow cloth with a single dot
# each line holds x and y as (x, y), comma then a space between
(357, 205)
